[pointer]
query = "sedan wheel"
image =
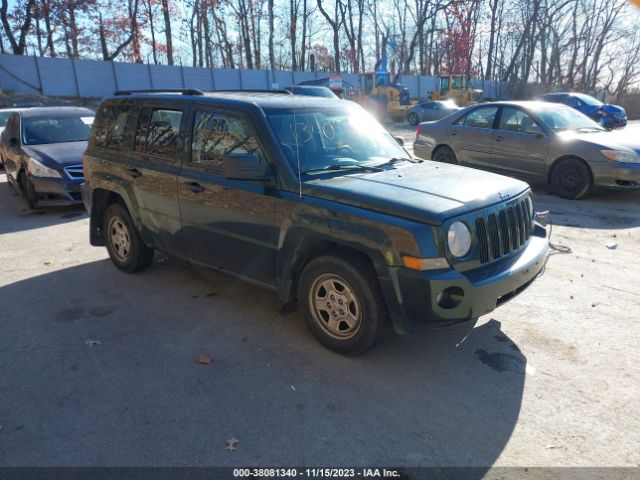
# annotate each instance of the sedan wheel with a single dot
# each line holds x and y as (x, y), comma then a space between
(412, 118)
(571, 179)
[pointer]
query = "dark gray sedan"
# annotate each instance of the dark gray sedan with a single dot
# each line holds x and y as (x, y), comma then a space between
(540, 141)
(431, 110)
(42, 151)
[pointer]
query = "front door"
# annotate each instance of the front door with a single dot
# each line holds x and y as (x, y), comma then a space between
(226, 223)
(519, 144)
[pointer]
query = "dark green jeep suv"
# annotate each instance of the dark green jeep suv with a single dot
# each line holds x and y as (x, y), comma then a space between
(312, 198)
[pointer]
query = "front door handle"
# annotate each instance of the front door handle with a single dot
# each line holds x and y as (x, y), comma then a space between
(134, 172)
(195, 187)
(454, 133)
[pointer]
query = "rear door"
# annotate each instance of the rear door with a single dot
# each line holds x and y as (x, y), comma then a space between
(515, 150)
(472, 134)
(152, 167)
(226, 223)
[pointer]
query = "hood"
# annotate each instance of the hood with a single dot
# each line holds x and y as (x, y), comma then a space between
(53, 154)
(612, 140)
(612, 109)
(429, 192)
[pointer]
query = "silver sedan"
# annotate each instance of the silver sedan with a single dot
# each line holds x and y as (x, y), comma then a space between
(431, 110)
(543, 142)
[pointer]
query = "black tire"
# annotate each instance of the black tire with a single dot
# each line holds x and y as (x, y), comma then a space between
(413, 119)
(445, 155)
(359, 302)
(127, 250)
(571, 178)
(28, 190)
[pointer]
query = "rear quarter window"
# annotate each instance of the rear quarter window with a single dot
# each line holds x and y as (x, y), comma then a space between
(110, 129)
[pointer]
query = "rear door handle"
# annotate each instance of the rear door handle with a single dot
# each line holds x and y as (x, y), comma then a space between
(195, 187)
(134, 172)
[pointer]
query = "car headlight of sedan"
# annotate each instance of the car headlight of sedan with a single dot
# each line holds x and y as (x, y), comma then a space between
(459, 239)
(39, 170)
(621, 156)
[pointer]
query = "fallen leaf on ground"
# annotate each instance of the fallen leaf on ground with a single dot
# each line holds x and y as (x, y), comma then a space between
(203, 359)
(92, 343)
(231, 445)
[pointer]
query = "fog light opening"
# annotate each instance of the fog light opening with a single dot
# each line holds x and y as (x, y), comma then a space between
(626, 183)
(450, 298)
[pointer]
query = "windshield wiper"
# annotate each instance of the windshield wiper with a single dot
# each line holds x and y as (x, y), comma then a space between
(336, 167)
(402, 159)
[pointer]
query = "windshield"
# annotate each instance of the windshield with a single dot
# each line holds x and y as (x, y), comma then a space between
(314, 92)
(4, 116)
(559, 118)
(38, 131)
(329, 137)
(594, 102)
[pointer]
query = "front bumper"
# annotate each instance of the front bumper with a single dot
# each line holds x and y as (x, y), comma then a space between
(57, 191)
(617, 175)
(423, 295)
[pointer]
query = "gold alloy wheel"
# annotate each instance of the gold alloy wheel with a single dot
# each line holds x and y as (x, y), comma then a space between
(335, 307)
(119, 237)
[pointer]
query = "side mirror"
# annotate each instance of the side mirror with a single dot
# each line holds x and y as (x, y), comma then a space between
(400, 141)
(534, 130)
(246, 166)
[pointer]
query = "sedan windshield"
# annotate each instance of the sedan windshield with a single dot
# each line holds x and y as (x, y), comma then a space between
(560, 118)
(38, 131)
(594, 102)
(317, 139)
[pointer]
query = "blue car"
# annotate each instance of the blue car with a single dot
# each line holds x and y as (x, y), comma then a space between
(607, 115)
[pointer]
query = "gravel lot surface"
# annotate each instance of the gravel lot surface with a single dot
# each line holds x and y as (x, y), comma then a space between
(98, 367)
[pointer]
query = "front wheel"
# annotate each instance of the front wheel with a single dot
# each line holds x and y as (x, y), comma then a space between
(127, 250)
(412, 118)
(29, 191)
(342, 303)
(571, 178)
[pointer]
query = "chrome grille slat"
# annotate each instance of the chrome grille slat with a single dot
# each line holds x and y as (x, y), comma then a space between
(503, 230)
(74, 171)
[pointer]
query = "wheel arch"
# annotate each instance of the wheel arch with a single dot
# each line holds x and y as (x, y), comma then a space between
(101, 198)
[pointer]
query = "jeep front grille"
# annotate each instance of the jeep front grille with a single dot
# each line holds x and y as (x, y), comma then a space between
(74, 171)
(504, 230)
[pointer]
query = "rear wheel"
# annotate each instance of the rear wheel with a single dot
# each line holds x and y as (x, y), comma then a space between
(445, 155)
(127, 250)
(412, 118)
(342, 303)
(571, 178)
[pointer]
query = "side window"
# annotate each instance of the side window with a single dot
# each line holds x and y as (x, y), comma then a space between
(481, 117)
(515, 120)
(572, 101)
(157, 132)
(460, 121)
(218, 136)
(111, 128)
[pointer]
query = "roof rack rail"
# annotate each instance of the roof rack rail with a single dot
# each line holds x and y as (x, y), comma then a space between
(252, 90)
(183, 91)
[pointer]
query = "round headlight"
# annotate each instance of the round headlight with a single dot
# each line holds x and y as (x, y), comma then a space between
(459, 239)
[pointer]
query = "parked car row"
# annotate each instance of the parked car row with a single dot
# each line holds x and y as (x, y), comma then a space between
(538, 141)
(316, 201)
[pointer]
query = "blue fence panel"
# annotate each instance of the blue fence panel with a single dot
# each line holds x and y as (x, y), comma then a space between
(255, 79)
(57, 77)
(283, 79)
(166, 76)
(303, 76)
(227, 79)
(200, 78)
(19, 73)
(132, 76)
(95, 79)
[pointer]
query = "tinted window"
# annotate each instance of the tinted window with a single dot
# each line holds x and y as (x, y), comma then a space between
(481, 117)
(111, 128)
(157, 132)
(39, 131)
(572, 101)
(515, 120)
(217, 136)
